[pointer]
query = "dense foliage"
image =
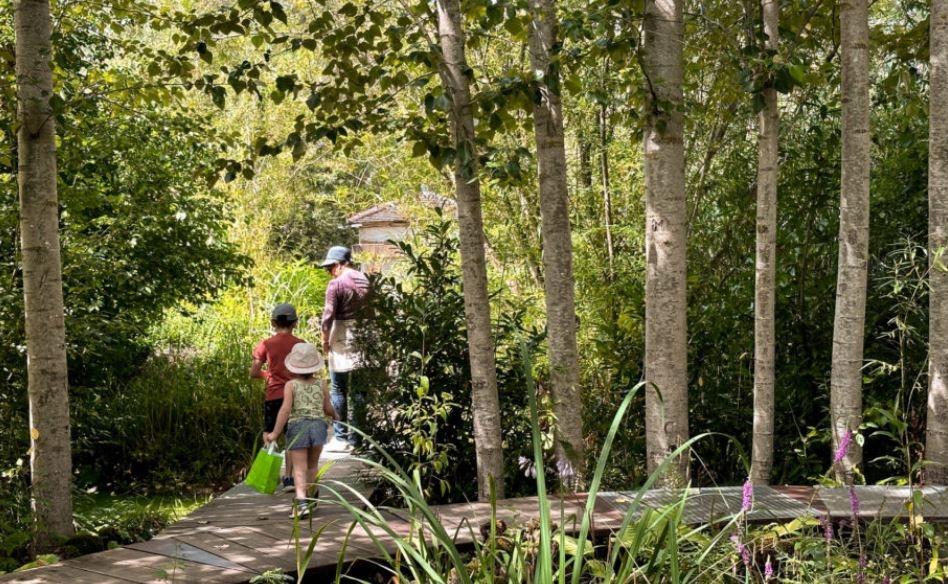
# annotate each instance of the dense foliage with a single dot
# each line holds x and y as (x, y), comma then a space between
(417, 366)
(142, 226)
(313, 111)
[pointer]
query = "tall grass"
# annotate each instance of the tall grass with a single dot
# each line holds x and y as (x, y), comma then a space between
(645, 548)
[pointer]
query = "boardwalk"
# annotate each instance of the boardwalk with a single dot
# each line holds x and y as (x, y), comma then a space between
(242, 533)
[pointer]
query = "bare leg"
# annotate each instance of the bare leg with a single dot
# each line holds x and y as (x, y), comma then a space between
(300, 458)
(313, 466)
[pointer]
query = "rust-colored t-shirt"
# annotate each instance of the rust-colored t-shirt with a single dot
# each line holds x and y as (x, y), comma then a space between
(273, 352)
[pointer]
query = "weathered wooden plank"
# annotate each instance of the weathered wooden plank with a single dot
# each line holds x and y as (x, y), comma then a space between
(248, 557)
(242, 533)
(144, 567)
(884, 502)
(63, 573)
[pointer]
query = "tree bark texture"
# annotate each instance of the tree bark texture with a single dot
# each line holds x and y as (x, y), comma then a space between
(50, 452)
(666, 346)
(557, 247)
(849, 325)
(762, 450)
(486, 404)
(936, 432)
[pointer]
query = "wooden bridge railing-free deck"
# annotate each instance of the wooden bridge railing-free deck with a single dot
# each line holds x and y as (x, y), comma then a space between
(242, 533)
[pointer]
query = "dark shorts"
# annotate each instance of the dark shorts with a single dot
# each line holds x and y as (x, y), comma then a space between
(306, 433)
(270, 410)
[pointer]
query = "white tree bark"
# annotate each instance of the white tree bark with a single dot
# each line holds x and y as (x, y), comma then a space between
(50, 452)
(486, 404)
(936, 432)
(762, 450)
(666, 346)
(849, 324)
(557, 247)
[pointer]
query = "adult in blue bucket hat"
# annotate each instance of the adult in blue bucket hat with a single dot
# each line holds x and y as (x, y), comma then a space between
(345, 296)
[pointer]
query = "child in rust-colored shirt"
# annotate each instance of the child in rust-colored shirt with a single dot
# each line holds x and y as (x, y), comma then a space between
(271, 352)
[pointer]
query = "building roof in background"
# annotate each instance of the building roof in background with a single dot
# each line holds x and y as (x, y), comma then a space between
(384, 213)
(389, 213)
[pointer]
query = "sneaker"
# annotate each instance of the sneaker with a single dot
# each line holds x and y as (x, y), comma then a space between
(288, 485)
(302, 508)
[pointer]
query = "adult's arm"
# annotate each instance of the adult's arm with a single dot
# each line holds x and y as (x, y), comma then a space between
(329, 313)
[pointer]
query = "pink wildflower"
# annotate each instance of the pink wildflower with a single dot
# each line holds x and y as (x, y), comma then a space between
(827, 524)
(742, 549)
(768, 569)
(748, 496)
(853, 502)
(843, 448)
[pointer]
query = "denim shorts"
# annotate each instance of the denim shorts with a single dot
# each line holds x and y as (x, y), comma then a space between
(306, 433)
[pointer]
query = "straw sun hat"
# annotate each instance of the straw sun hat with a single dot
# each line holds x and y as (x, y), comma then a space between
(304, 358)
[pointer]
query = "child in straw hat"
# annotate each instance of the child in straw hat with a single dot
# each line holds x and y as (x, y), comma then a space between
(306, 414)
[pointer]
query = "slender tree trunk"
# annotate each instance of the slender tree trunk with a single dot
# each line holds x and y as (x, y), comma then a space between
(557, 247)
(849, 325)
(936, 432)
(666, 346)
(762, 459)
(603, 125)
(487, 431)
(50, 452)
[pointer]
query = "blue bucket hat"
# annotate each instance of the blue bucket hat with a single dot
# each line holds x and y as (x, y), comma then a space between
(336, 255)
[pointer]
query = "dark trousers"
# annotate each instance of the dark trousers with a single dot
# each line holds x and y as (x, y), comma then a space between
(349, 403)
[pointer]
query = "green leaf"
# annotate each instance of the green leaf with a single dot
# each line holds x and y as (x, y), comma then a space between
(798, 73)
(286, 83)
(218, 95)
(348, 9)
(278, 11)
(299, 149)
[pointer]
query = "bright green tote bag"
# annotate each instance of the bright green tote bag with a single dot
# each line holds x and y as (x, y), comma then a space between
(264, 474)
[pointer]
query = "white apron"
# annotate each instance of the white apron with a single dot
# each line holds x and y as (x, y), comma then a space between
(342, 352)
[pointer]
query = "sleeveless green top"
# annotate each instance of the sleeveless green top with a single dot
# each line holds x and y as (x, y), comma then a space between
(307, 400)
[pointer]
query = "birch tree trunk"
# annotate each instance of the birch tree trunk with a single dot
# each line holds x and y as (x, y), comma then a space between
(666, 346)
(486, 404)
(50, 451)
(936, 431)
(557, 247)
(849, 325)
(603, 126)
(762, 451)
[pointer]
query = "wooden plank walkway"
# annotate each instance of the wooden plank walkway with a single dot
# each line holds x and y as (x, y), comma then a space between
(242, 533)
